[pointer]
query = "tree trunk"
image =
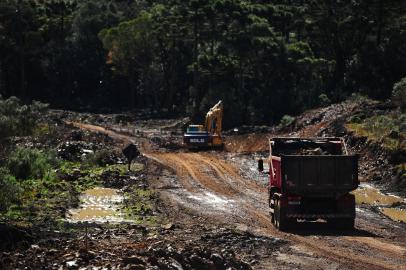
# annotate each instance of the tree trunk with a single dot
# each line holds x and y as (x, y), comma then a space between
(23, 93)
(2, 83)
(195, 93)
(380, 23)
(133, 88)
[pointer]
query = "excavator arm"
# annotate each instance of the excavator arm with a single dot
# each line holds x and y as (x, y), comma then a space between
(214, 119)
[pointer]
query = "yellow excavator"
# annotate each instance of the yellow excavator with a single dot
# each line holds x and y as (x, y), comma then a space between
(209, 134)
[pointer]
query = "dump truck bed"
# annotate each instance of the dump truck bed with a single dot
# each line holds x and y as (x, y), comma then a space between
(319, 175)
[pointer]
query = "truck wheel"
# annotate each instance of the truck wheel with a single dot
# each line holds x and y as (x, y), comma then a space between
(281, 222)
(272, 206)
(276, 214)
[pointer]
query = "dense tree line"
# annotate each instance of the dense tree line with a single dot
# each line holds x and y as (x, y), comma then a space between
(265, 59)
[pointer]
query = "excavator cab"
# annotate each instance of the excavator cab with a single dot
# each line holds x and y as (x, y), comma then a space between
(209, 134)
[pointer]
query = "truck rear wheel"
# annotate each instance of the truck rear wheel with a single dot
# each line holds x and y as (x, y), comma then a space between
(281, 222)
(271, 204)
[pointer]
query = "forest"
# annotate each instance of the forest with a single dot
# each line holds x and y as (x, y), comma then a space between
(265, 59)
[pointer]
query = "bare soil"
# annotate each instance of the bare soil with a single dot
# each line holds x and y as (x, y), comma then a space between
(212, 189)
(213, 214)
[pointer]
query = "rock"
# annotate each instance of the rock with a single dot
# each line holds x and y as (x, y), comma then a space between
(72, 265)
(197, 262)
(74, 150)
(35, 247)
(217, 259)
(168, 226)
(51, 252)
(245, 265)
(86, 254)
(153, 260)
(76, 135)
(133, 260)
(136, 267)
(176, 265)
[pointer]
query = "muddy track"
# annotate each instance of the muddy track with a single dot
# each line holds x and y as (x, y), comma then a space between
(214, 187)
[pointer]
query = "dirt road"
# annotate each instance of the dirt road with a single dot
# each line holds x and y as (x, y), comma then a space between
(220, 187)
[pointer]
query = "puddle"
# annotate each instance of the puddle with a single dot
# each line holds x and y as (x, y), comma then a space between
(98, 205)
(213, 200)
(367, 194)
(395, 214)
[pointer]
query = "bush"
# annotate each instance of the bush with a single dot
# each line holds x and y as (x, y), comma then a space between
(286, 121)
(324, 100)
(9, 190)
(357, 97)
(101, 158)
(399, 94)
(27, 163)
(17, 119)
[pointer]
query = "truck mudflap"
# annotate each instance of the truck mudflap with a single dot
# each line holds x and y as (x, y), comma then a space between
(322, 216)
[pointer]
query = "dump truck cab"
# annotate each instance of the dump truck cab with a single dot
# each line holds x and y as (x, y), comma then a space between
(310, 179)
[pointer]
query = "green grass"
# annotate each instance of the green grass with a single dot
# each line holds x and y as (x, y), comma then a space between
(385, 129)
(139, 205)
(48, 198)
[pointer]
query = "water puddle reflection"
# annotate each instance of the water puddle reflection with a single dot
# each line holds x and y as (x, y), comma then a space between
(98, 205)
(369, 195)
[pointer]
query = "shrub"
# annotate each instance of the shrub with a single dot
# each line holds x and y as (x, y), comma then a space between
(101, 158)
(286, 121)
(9, 190)
(17, 119)
(357, 97)
(324, 100)
(399, 94)
(26, 163)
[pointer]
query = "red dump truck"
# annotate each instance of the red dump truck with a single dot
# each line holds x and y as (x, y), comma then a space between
(311, 179)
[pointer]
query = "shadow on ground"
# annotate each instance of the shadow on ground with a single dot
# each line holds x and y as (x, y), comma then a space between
(325, 229)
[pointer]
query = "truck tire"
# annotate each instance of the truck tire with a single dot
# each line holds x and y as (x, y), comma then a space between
(281, 222)
(272, 207)
(276, 214)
